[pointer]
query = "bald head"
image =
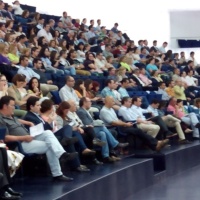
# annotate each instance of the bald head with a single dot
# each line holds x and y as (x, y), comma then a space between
(109, 101)
(72, 104)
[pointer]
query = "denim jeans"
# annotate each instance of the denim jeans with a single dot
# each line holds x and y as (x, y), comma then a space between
(105, 135)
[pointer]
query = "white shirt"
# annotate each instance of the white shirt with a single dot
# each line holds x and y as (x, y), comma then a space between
(153, 110)
(108, 115)
(28, 72)
(66, 93)
(45, 34)
(190, 81)
(162, 49)
(127, 113)
(17, 10)
(139, 112)
(75, 119)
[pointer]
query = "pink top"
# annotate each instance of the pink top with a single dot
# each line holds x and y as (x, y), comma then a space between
(145, 80)
(179, 113)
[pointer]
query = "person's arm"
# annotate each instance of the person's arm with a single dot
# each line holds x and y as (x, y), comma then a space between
(24, 122)
(34, 74)
(12, 138)
(177, 90)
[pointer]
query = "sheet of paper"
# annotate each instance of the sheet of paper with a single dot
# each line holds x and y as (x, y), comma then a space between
(36, 130)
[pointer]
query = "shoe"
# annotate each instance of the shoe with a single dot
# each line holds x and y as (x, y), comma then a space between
(67, 141)
(197, 125)
(184, 142)
(161, 144)
(122, 145)
(169, 135)
(7, 196)
(68, 156)
(113, 153)
(116, 158)
(62, 178)
(98, 142)
(108, 160)
(82, 169)
(97, 162)
(188, 130)
(88, 152)
(12, 192)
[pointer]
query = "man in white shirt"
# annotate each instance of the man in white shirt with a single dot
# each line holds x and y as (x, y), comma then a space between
(162, 48)
(28, 72)
(190, 80)
(161, 90)
(129, 115)
(108, 115)
(136, 108)
(45, 32)
(67, 92)
(169, 120)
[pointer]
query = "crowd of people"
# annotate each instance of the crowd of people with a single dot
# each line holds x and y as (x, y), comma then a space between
(88, 118)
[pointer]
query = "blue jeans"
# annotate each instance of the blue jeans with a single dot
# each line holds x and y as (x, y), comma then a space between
(105, 135)
(46, 143)
(70, 71)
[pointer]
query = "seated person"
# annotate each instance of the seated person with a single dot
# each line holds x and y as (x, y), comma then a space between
(176, 106)
(18, 91)
(100, 130)
(40, 144)
(6, 192)
(108, 115)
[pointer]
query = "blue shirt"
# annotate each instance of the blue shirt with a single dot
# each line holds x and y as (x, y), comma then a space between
(107, 92)
(123, 92)
(151, 67)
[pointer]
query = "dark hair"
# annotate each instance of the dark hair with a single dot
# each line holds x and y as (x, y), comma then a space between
(33, 49)
(124, 80)
(190, 61)
(5, 100)
(40, 43)
(22, 58)
(63, 105)
(46, 105)
(108, 81)
(87, 82)
(160, 83)
(9, 22)
(155, 101)
(62, 52)
(192, 52)
(134, 99)
(129, 49)
(30, 87)
(95, 84)
(124, 99)
(67, 78)
(179, 101)
(36, 60)
(31, 101)
(53, 56)
(77, 86)
(42, 54)
(18, 78)
(82, 100)
(154, 41)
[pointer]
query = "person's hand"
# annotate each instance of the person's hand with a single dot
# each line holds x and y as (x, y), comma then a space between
(50, 82)
(81, 131)
(129, 124)
(82, 87)
(35, 89)
(28, 138)
(31, 124)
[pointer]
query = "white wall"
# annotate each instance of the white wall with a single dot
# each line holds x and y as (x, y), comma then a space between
(140, 19)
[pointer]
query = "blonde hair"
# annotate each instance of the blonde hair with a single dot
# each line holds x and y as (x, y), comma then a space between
(2, 47)
(120, 70)
(12, 48)
(26, 50)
